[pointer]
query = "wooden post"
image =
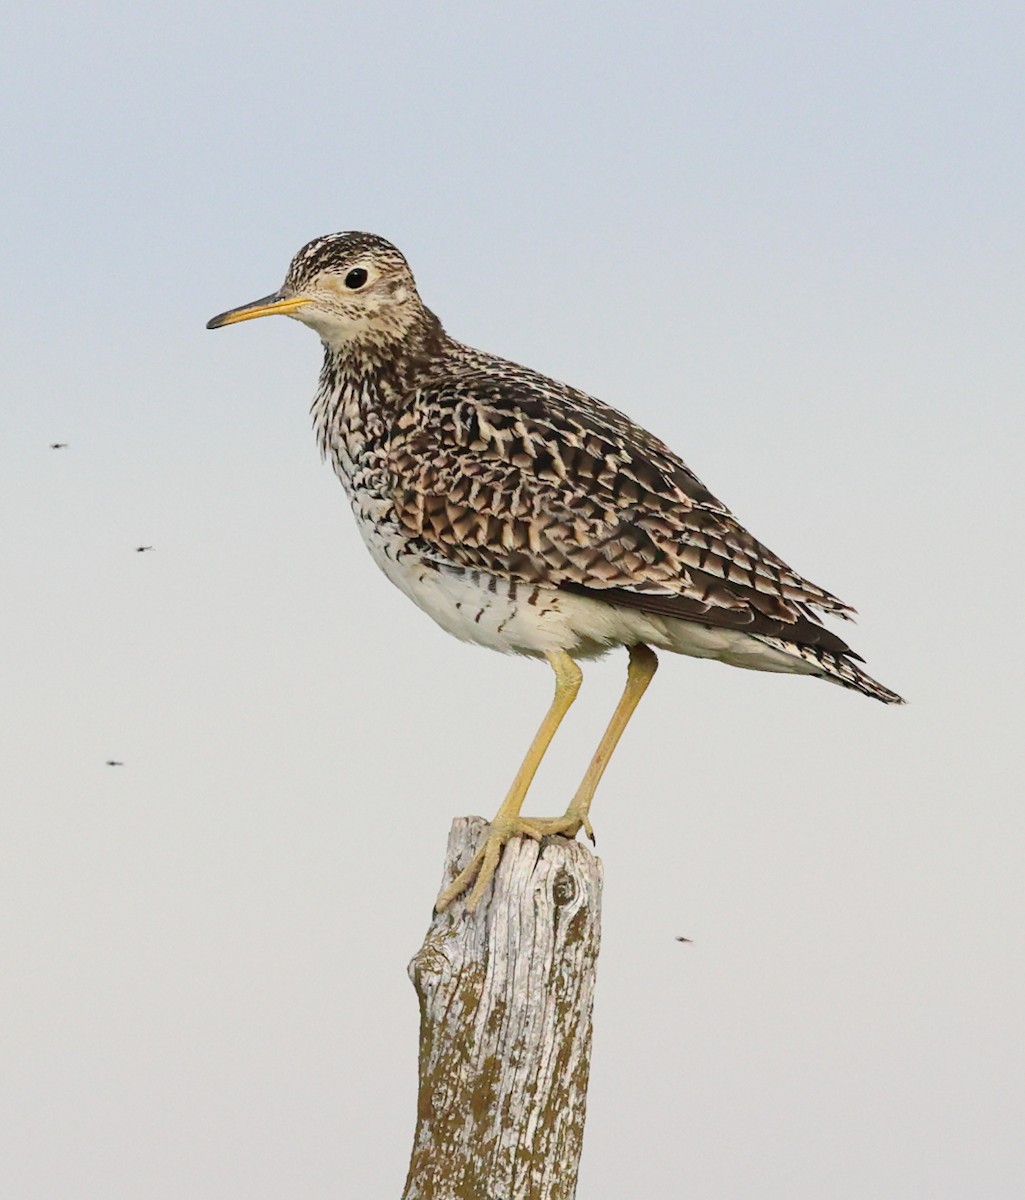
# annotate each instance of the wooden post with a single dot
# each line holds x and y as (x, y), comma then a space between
(505, 1026)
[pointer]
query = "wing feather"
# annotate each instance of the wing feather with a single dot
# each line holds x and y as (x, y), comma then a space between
(508, 472)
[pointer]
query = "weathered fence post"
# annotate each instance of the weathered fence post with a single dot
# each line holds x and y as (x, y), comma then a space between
(505, 1026)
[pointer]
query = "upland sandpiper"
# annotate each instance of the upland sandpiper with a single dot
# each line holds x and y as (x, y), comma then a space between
(526, 516)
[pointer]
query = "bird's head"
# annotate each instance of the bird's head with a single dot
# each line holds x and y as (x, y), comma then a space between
(349, 287)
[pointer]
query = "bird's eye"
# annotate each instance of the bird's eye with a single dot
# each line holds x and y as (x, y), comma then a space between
(356, 278)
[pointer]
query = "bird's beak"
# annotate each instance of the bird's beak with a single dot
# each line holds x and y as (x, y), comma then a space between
(268, 306)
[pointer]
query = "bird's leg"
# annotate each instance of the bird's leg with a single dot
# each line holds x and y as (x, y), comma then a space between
(508, 823)
(641, 671)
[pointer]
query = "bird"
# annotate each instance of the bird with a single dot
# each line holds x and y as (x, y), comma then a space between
(58, 445)
(141, 549)
(528, 517)
(114, 763)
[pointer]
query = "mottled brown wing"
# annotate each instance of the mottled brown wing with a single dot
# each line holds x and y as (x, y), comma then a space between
(528, 479)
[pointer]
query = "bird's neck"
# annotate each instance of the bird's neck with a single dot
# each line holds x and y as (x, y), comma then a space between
(365, 383)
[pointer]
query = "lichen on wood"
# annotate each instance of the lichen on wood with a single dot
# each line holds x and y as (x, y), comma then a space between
(505, 1026)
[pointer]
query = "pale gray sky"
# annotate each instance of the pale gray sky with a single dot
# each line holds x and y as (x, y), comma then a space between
(787, 238)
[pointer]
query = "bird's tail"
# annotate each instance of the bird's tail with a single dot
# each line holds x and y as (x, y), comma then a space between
(836, 668)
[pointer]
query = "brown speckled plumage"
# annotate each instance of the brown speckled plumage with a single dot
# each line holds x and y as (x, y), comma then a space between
(466, 469)
(498, 468)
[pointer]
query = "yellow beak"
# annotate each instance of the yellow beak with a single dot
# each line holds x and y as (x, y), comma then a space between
(268, 306)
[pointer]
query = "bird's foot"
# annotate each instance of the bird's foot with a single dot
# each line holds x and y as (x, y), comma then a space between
(568, 825)
(480, 870)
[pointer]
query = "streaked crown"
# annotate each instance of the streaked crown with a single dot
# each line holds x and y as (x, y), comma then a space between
(341, 253)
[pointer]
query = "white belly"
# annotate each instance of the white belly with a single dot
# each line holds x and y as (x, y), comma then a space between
(522, 618)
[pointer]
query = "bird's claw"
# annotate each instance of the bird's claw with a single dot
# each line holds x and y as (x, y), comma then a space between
(480, 870)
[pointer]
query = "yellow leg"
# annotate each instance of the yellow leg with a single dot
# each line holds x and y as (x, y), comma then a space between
(641, 671)
(508, 823)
